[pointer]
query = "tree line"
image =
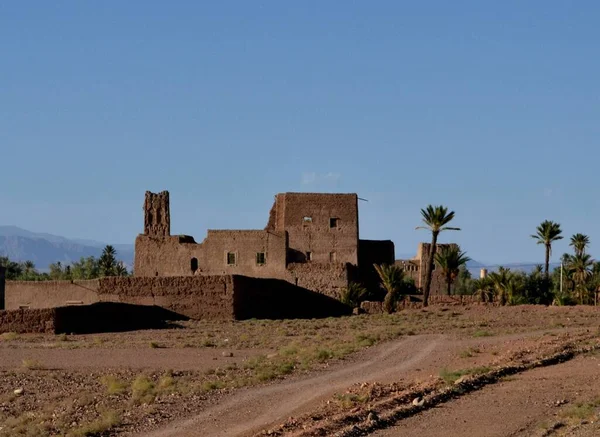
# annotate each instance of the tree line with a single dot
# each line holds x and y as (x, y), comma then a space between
(577, 281)
(86, 268)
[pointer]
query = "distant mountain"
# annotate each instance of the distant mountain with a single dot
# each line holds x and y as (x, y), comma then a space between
(44, 249)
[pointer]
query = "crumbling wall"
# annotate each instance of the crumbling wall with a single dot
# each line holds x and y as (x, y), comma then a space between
(327, 279)
(157, 214)
(172, 256)
(197, 297)
(307, 218)
(49, 294)
(28, 320)
(166, 256)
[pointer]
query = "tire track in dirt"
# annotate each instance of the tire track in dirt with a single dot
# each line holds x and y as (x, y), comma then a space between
(255, 408)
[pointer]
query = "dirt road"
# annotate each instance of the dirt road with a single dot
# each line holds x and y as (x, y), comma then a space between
(525, 405)
(253, 409)
(410, 358)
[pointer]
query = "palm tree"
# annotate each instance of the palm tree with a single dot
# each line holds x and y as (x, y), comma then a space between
(353, 294)
(120, 269)
(450, 259)
(547, 233)
(484, 289)
(581, 267)
(500, 281)
(108, 261)
(435, 218)
(579, 242)
(392, 279)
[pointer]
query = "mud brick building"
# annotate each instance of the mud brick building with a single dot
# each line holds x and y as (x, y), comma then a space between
(311, 240)
(416, 268)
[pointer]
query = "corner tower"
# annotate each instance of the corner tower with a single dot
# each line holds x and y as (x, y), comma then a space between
(157, 216)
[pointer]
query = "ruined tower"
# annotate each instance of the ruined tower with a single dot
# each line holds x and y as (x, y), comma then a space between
(157, 216)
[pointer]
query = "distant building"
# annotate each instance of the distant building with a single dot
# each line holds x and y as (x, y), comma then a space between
(311, 240)
(416, 269)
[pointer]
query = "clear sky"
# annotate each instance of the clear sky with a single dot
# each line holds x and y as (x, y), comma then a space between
(491, 108)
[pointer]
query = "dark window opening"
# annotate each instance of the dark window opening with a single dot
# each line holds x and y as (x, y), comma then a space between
(158, 217)
(332, 257)
(194, 265)
(231, 258)
(333, 222)
(260, 258)
(308, 256)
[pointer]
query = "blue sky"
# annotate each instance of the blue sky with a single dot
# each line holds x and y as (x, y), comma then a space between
(491, 108)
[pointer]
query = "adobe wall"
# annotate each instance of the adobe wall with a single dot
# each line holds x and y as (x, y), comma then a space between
(49, 294)
(245, 244)
(317, 236)
(327, 279)
(278, 299)
(172, 256)
(2, 282)
(197, 297)
(168, 256)
(24, 321)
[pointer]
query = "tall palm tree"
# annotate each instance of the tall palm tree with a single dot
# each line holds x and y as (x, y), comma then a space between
(108, 261)
(579, 243)
(435, 218)
(581, 267)
(392, 279)
(547, 233)
(450, 259)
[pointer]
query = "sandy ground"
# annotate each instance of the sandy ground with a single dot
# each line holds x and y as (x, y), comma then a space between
(525, 405)
(409, 359)
(69, 386)
(82, 359)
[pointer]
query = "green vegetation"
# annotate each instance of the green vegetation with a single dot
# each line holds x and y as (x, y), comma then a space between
(354, 294)
(451, 259)
(85, 268)
(450, 377)
(392, 281)
(108, 420)
(113, 385)
(435, 219)
(547, 233)
(582, 410)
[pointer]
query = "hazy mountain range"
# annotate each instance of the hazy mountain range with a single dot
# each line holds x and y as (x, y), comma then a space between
(44, 249)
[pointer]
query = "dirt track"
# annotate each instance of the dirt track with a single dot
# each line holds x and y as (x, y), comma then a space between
(416, 357)
(525, 405)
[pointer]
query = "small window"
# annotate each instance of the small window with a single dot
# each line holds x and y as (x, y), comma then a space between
(307, 220)
(333, 222)
(260, 258)
(332, 257)
(308, 256)
(231, 258)
(194, 265)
